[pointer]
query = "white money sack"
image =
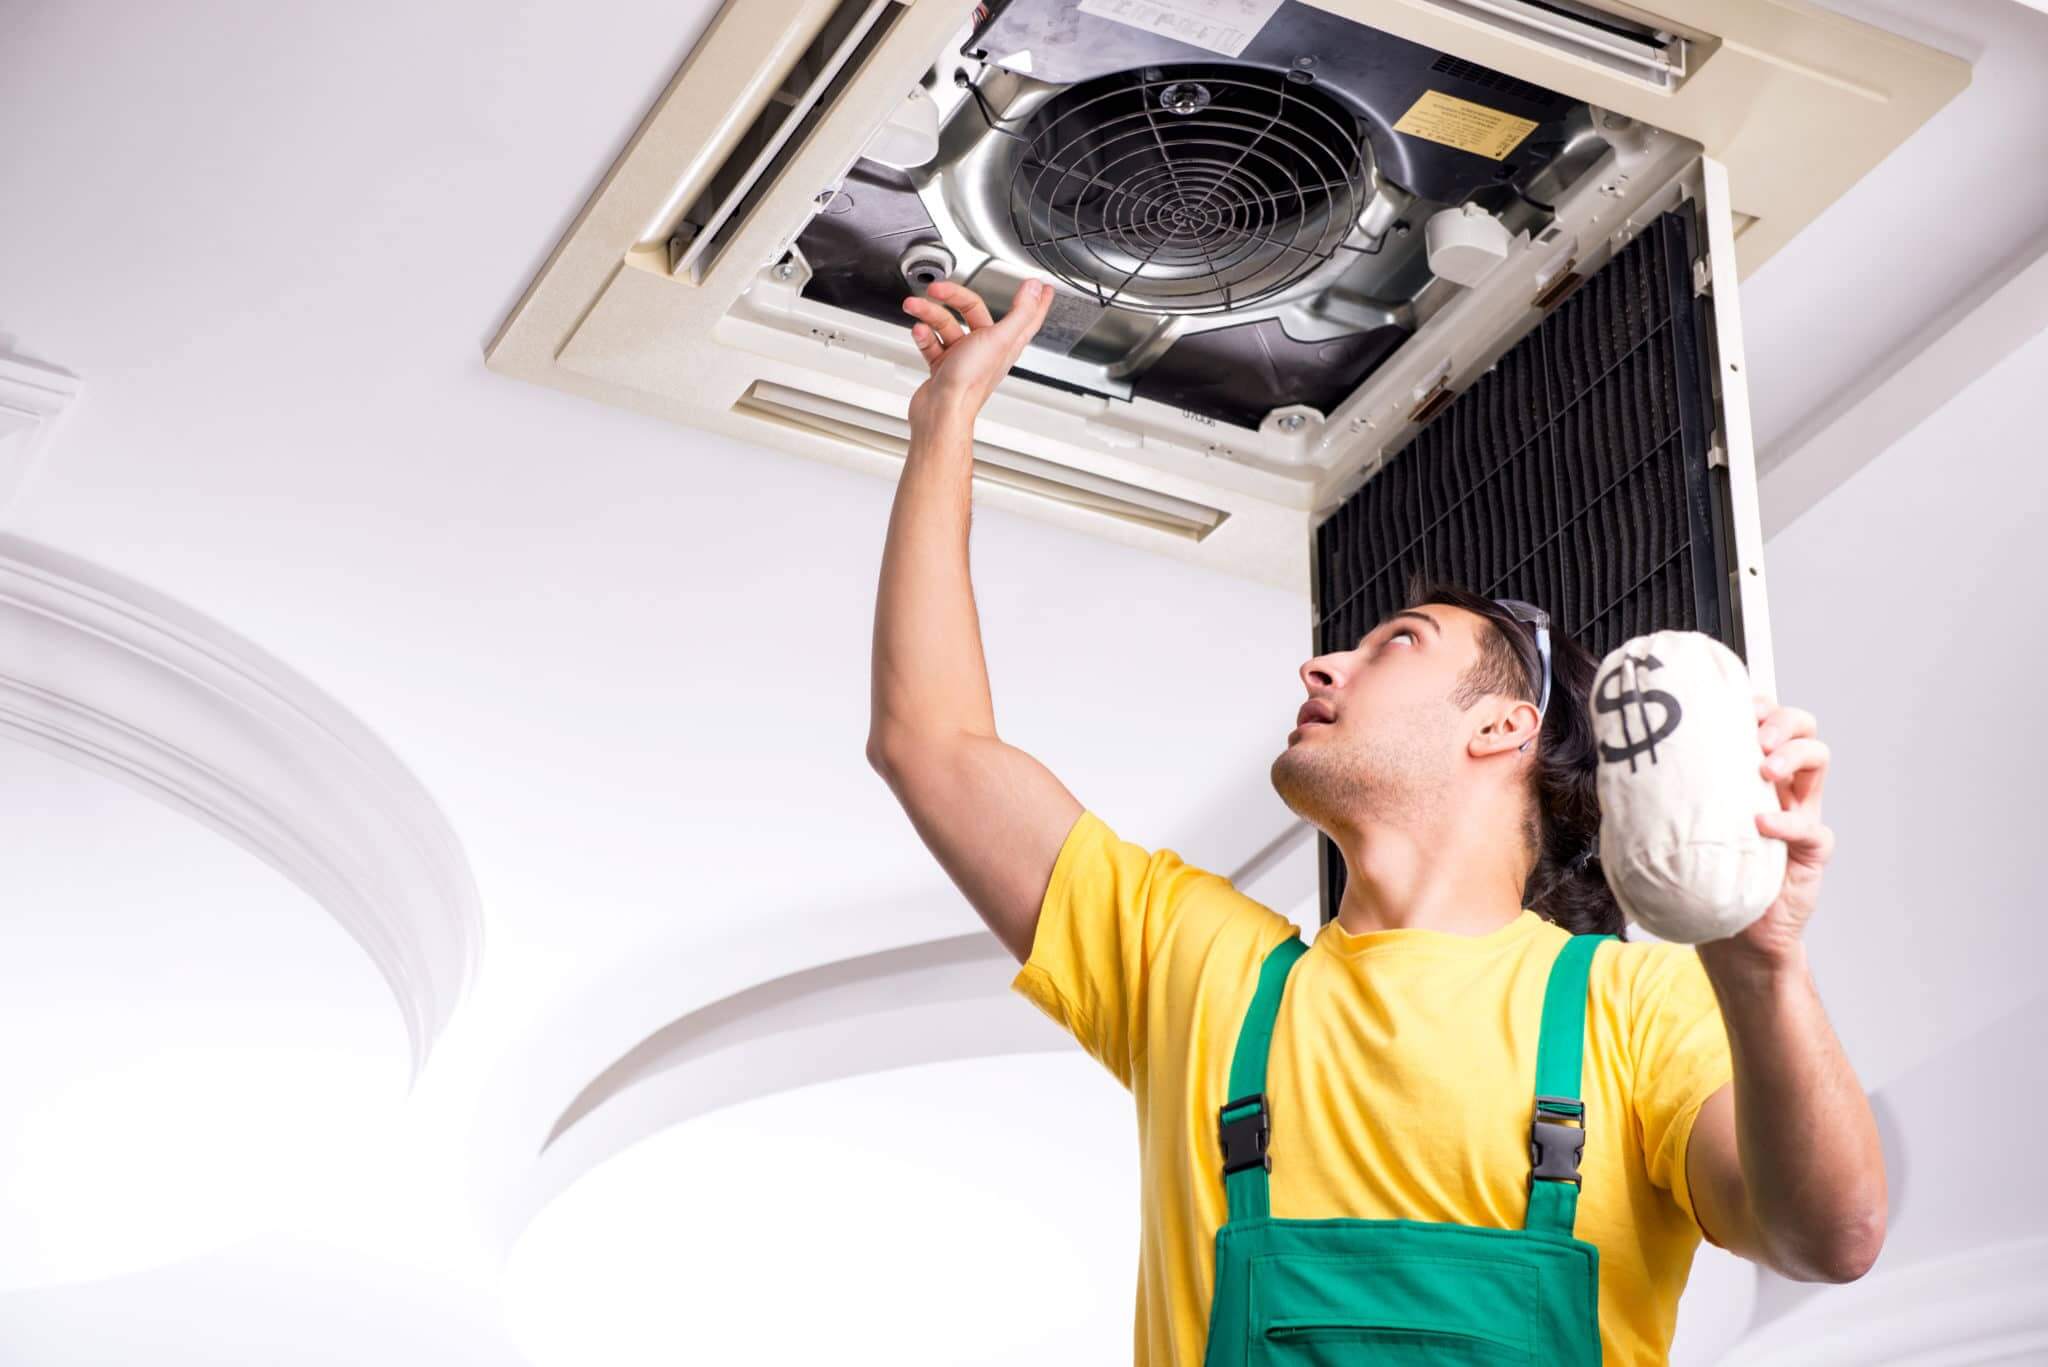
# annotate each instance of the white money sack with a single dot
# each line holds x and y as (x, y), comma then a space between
(1680, 788)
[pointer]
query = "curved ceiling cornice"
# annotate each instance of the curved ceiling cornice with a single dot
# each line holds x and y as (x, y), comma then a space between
(930, 1002)
(924, 1003)
(113, 675)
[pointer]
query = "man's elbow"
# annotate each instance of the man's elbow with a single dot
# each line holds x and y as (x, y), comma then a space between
(1848, 1254)
(881, 753)
(897, 748)
(1856, 1253)
(892, 747)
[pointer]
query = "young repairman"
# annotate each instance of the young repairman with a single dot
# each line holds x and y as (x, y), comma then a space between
(1468, 1122)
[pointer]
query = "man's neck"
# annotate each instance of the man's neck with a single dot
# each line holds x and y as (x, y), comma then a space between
(1456, 877)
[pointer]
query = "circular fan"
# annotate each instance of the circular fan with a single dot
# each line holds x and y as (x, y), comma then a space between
(1192, 189)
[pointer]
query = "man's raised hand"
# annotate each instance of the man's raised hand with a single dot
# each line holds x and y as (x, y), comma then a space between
(968, 362)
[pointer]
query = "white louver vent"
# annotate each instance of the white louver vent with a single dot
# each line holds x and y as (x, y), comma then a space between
(847, 36)
(1641, 52)
(993, 464)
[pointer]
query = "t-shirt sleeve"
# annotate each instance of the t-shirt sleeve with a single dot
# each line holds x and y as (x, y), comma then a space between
(1108, 912)
(1680, 1049)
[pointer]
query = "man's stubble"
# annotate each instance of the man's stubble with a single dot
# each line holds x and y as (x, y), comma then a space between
(1391, 769)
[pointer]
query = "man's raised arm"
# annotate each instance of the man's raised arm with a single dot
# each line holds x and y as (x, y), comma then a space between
(992, 815)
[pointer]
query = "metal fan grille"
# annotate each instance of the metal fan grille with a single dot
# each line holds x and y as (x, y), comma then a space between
(1189, 190)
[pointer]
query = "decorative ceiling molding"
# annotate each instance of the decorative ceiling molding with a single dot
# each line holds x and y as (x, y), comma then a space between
(924, 1003)
(930, 1002)
(113, 675)
(32, 399)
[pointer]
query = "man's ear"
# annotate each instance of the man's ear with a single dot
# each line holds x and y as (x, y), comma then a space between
(1510, 724)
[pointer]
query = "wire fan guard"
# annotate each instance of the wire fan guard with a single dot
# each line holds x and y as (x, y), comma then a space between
(1189, 189)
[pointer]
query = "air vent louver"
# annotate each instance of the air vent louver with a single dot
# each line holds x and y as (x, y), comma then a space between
(1492, 80)
(1000, 466)
(847, 38)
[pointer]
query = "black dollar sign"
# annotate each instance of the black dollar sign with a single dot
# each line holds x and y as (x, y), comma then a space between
(1612, 698)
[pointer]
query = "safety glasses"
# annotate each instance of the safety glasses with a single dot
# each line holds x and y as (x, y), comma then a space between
(1540, 620)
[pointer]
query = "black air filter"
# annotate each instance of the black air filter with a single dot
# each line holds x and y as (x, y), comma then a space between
(1574, 474)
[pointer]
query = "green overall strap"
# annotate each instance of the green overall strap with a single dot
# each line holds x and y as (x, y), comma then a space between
(1554, 1147)
(1243, 1124)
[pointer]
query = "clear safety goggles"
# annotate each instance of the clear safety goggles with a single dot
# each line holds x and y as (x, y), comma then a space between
(1540, 620)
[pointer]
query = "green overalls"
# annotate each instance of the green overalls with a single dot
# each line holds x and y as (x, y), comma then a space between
(1323, 1293)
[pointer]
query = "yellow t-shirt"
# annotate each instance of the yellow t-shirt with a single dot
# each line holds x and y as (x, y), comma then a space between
(1400, 1079)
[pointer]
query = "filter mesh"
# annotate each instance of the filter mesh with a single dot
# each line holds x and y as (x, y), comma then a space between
(1574, 475)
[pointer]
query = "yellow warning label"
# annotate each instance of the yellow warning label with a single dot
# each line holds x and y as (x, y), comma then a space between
(1464, 125)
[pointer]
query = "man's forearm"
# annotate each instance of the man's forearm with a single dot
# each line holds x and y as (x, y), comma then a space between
(930, 678)
(1807, 1141)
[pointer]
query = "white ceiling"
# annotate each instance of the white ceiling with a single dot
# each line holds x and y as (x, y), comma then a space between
(629, 661)
(156, 982)
(1955, 207)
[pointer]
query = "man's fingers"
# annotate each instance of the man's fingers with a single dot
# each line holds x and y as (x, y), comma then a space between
(1802, 831)
(1782, 724)
(965, 301)
(927, 344)
(1803, 756)
(935, 316)
(1027, 314)
(1799, 769)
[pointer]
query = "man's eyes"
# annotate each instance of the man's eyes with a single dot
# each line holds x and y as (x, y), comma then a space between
(1414, 638)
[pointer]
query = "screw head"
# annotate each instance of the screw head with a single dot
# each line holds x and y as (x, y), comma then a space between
(785, 270)
(1293, 422)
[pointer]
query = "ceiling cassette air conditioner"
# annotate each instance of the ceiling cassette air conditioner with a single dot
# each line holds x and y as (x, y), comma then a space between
(1286, 238)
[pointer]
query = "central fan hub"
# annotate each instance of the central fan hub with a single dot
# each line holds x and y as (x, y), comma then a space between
(1189, 190)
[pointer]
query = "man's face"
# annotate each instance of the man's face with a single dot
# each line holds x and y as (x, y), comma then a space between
(1380, 735)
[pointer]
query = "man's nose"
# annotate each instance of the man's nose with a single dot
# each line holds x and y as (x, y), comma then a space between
(1321, 674)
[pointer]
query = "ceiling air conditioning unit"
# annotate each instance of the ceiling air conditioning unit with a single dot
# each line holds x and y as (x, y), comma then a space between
(1344, 289)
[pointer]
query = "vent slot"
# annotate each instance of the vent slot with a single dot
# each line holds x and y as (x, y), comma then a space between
(1590, 33)
(993, 465)
(1476, 74)
(1574, 474)
(1558, 290)
(777, 133)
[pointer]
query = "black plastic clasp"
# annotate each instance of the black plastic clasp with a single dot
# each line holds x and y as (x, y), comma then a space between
(1555, 1149)
(1244, 1137)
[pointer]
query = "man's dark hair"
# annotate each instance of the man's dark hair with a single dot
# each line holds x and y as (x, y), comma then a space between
(1566, 885)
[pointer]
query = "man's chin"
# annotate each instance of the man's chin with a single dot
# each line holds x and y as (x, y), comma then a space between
(1293, 778)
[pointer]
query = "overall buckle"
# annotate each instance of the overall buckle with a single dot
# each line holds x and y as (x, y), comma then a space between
(1244, 1137)
(1555, 1149)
